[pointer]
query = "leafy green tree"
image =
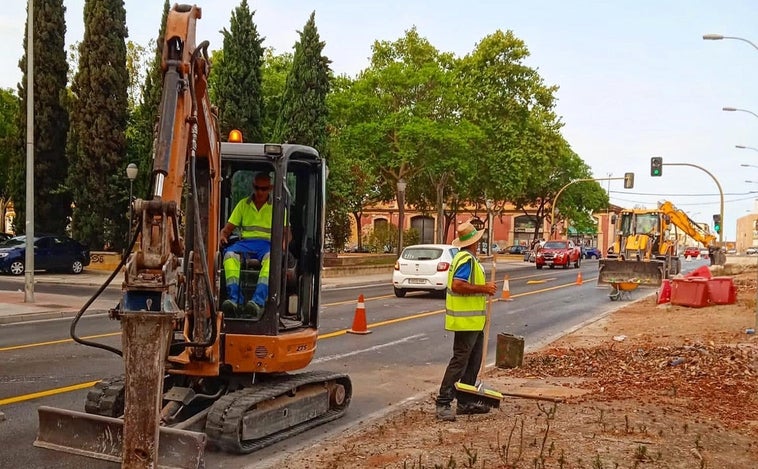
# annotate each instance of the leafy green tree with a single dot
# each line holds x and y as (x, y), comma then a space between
(274, 80)
(304, 114)
(51, 122)
(404, 116)
(237, 85)
(97, 149)
(353, 182)
(9, 109)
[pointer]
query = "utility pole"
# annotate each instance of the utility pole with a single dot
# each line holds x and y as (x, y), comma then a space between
(29, 231)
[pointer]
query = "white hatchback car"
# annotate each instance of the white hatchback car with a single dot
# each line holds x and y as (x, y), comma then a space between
(423, 267)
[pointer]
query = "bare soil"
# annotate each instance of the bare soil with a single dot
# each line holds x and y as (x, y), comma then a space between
(649, 386)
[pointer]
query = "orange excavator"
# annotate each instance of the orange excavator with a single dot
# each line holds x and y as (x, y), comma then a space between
(191, 375)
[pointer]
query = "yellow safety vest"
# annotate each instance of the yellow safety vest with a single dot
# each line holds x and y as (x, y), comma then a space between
(465, 312)
(252, 223)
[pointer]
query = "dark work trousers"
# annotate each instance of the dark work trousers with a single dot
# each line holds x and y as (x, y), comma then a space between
(464, 366)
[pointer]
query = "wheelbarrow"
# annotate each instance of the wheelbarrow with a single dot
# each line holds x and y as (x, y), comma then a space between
(622, 290)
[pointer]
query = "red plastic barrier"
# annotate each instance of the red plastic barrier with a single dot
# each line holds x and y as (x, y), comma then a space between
(722, 291)
(664, 294)
(703, 271)
(692, 291)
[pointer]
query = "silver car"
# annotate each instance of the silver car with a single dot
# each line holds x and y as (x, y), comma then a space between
(423, 267)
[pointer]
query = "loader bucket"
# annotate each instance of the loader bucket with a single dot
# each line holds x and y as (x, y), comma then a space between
(100, 437)
(645, 273)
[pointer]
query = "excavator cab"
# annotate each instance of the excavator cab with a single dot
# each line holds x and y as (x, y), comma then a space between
(297, 176)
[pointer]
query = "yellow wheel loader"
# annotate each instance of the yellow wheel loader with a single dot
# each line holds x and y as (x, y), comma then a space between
(645, 250)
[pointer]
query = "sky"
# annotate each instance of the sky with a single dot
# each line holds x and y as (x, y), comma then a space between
(635, 77)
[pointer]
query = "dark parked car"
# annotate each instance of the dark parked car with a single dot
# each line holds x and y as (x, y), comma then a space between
(517, 249)
(51, 252)
(5, 237)
(589, 252)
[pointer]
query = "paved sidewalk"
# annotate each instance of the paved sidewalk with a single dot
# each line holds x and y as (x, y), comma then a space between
(14, 308)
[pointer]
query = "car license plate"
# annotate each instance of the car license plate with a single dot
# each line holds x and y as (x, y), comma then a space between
(416, 281)
(548, 262)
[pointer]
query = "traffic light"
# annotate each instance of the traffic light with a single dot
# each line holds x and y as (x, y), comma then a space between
(656, 166)
(628, 180)
(717, 222)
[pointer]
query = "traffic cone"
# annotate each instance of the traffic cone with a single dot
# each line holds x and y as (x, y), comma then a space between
(506, 295)
(579, 278)
(359, 320)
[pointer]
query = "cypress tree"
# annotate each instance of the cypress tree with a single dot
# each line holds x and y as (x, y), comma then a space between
(99, 117)
(51, 122)
(304, 114)
(238, 81)
(8, 146)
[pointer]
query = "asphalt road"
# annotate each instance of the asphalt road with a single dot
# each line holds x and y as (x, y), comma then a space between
(403, 357)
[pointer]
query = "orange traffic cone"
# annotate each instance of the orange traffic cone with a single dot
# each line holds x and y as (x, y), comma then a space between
(506, 295)
(359, 320)
(579, 278)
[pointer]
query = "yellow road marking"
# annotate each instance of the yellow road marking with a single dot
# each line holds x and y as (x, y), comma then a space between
(56, 342)
(76, 387)
(49, 392)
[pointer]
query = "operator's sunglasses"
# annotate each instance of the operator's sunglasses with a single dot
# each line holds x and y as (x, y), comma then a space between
(262, 188)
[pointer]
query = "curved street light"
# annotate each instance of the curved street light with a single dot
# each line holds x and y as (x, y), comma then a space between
(743, 147)
(718, 37)
(732, 109)
(745, 165)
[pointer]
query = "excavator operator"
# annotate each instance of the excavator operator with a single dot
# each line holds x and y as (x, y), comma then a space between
(252, 215)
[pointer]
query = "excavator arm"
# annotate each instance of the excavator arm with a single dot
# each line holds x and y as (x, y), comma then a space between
(685, 223)
(169, 288)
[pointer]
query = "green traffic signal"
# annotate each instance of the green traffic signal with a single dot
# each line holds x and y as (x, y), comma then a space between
(717, 223)
(656, 166)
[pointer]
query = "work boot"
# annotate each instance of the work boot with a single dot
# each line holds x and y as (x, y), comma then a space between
(229, 308)
(253, 311)
(445, 413)
(469, 408)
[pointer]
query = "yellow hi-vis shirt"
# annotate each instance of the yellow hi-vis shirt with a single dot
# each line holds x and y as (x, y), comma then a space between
(465, 312)
(252, 223)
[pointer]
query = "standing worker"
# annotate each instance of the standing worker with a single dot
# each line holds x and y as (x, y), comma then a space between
(466, 307)
(252, 216)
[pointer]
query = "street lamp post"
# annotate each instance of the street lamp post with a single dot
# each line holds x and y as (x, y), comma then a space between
(718, 37)
(743, 147)
(490, 204)
(131, 173)
(401, 185)
(733, 109)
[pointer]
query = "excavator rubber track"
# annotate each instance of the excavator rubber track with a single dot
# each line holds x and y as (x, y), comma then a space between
(106, 397)
(226, 420)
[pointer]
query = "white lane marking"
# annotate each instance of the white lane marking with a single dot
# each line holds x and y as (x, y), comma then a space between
(370, 349)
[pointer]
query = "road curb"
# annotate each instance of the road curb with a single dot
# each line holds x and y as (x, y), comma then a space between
(44, 316)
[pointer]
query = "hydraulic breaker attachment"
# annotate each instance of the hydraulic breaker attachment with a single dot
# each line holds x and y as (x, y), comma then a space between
(99, 437)
(645, 273)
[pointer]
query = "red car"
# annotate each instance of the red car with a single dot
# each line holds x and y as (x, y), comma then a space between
(563, 253)
(691, 252)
